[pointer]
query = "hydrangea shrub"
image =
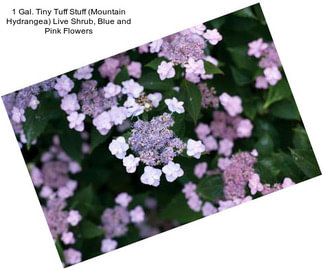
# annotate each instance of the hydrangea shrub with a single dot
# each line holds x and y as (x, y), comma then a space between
(179, 128)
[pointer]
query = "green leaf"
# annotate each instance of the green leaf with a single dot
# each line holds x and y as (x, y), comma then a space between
(251, 107)
(267, 170)
(89, 230)
(71, 143)
(241, 59)
(192, 99)
(82, 200)
(211, 187)
(289, 169)
(152, 81)
(123, 75)
(96, 138)
(246, 12)
(60, 250)
(285, 109)
(178, 210)
(240, 76)
(210, 68)
(155, 63)
(278, 92)
(37, 120)
(265, 144)
(300, 139)
(305, 160)
(179, 125)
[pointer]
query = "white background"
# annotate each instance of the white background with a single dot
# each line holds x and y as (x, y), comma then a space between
(282, 231)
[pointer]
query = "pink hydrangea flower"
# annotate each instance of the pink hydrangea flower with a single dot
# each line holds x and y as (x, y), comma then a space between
(143, 48)
(210, 143)
(172, 171)
(134, 69)
(257, 47)
(192, 77)
(155, 46)
(137, 215)
(223, 163)
(74, 167)
(155, 98)
(72, 256)
(272, 75)
(34, 102)
(194, 202)
(198, 29)
(200, 169)
(174, 105)
(76, 121)
(70, 103)
(195, 148)
(46, 192)
(202, 130)
(36, 176)
(118, 114)
(119, 147)
(208, 209)
(109, 68)
(63, 85)
(255, 184)
(151, 176)
(123, 199)
(232, 104)
(287, 182)
(244, 128)
(83, 73)
(261, 82)
(68, 238)
(64, 192)
(74, 217)
(132, 88)
(195, 67)
(189, 189)
(108, 245)
(213, 36)
(131, 163)
(225, 147)
(18, 115)
(166, 70)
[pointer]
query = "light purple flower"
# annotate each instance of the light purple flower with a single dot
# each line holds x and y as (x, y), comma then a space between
(70, 103)
(137, 215)
(202, 130)
(200, 169)
(36, 176)
(143, 48)
(189, 189)
(108, 245)
(74, 217)
(172, 171)
(64, 192)
(119, 147)
(199, 29)
(225, 147)
(194, 202)
(18, 115)
(118, 114)
(34, 102)
(223, 163)
(244, 128)
(287, 182)
(174, 105)
(272, 75)
(213, 36)
(132, 88)
(155, 46)
(166, 70)
(133, 108)
(46, 192)
(111, 90)
(257, 47)
(232, 104)
(68, 238)
(210, 143)
(103, 123)
(195, 148)
(76, 121)
(72, 256)
(123, 199)
(261, 82)
(63, 85)
(208, 209)
(255, 184)
(151, 176)
(134, 69)
(195, 67)
(83, 73)
(155, 98)
(131, 163)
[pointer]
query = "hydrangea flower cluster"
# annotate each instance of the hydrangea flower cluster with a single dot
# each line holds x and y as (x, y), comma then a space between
(115, 221)
(185, 48)
(269, 61)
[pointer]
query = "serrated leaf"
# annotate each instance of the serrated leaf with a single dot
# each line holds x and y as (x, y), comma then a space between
(178, 210)
(265, 144)
(241, 76)
(211, 187)
(278, 92)
(241, 59)
(289, 169)
(300, 139)
(89, 230)
(192, 99)
(305, 160)
(71, 142)
(210, 68)
(267, 170)
(285, 109)
(246, 12)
